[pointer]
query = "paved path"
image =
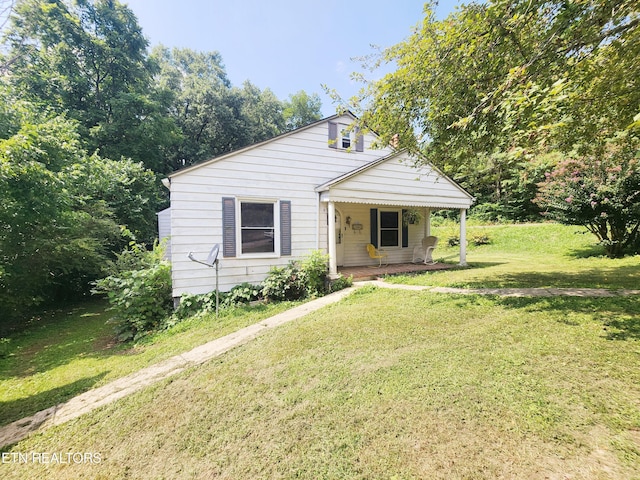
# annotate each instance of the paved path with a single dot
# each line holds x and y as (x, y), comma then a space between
(124, 386)
(511, 292)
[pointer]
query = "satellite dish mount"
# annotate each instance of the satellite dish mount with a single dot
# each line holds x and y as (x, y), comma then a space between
(211, 261)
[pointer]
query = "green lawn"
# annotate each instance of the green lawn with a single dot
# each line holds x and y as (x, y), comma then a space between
(66, 353)
(388, 384)
(529, 255)
(391, 384)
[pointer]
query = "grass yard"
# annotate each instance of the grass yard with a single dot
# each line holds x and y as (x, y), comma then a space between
(529, 255)
(67, 353)
(391, 385)
(386, 384)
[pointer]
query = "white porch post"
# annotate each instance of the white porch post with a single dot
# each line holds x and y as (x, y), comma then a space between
(463, 236)
(427, 222)
(333, 261)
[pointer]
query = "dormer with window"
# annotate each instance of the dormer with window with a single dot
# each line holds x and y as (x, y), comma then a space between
(345, 137)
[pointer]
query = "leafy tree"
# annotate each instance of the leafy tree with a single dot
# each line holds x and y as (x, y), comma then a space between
(601, 193)
(61, 212)
(88, 59)
(302, 109)
(260, 113)
(202, 104)
(494, 85)
(213, 117)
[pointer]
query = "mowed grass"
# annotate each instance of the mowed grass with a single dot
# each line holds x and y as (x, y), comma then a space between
(529, 255)
(65, 353)
(387, 384)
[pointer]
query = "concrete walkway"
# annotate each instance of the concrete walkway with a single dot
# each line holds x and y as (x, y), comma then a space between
(124, 386)
(511, 292)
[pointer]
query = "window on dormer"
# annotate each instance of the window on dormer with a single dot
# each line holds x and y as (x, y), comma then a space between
(345, 137)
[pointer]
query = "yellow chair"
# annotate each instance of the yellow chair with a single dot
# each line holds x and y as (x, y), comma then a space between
(376, 254)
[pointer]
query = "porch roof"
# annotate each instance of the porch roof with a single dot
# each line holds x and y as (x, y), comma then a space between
(395, 180)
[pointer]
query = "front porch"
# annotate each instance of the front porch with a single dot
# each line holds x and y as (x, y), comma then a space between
(367, 272)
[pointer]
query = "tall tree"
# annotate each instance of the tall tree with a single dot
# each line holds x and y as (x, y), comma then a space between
(495, 84)
(302, 109)
(261, 113)
(202, 103)
(89, 59)
(62, 210)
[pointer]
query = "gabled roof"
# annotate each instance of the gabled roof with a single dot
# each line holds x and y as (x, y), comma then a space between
(345, 176)
(390, 181)
(259, 144)
(371, 165)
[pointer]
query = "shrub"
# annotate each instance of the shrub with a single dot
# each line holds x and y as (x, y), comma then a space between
(297, 280)
(192, 304)
(284, 283)
(599, 191)
(139, 291)
(480, 239)
(241, 294)
(340, 283)
(314, 272)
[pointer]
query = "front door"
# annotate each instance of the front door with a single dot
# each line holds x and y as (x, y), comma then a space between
(339, 240)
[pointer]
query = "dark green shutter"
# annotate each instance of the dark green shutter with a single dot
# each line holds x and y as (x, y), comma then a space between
(405, 231)
(228, 227)
(285, 227)
(374, 226)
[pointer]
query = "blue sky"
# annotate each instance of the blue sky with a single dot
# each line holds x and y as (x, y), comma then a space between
(285, 45)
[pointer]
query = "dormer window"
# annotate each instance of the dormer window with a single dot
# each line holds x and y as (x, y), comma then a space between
(345, 137)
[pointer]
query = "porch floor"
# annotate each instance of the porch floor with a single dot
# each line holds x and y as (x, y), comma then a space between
(371, 272)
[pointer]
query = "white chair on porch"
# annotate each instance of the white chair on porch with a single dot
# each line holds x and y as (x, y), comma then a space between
(423, 253)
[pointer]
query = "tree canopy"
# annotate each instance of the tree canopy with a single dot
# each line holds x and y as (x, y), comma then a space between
(487, 92)
(89, 122)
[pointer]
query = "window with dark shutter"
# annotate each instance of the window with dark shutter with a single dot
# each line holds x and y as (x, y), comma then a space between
(257, 227)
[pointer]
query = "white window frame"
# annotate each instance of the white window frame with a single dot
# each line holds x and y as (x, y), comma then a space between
(342, 129)
(399, 213)
(276, 228)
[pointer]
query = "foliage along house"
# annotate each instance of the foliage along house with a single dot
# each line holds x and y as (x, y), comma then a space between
(317, 187)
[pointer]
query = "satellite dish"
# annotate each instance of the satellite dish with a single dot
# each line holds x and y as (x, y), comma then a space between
(211, 259)
(213, 254)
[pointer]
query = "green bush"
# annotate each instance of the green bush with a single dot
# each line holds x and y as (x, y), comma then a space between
(453, 240)
(139, 291)
(284, 283)
(193, 304)
(480, 239)
(314, 270)
(242, 294)
(340, 283)
(297, 280)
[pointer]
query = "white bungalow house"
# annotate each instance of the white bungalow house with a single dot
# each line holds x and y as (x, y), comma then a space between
(317, 187)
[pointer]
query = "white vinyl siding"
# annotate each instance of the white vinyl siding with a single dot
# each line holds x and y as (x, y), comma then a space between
(289, 167)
